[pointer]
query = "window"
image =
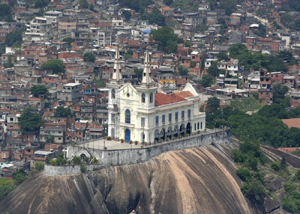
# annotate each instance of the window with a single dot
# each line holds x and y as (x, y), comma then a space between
(198, 125)
(113, 117)
(156, 120)
(11, 119)
(182, 115)
(201, 125)
(176, 116)
(195, 126)
(163, 119)
(143, 98)
(189, 113)
(113, 94)
(151, 98)
(170, 117)
(127, 116)
(143, 122)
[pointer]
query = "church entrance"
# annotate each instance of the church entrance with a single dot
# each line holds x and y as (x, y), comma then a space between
(127, 135)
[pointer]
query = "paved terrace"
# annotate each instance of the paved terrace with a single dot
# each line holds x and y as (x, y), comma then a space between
(101, 143)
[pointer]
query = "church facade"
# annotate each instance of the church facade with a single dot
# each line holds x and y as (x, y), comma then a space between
(142, 114)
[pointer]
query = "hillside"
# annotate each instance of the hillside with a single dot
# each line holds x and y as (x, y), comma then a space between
(199, 180)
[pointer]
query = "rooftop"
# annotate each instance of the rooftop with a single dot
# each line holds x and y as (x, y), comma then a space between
(293, 122)
(165, 99)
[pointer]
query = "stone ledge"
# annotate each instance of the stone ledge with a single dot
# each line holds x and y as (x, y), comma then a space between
(62, 170)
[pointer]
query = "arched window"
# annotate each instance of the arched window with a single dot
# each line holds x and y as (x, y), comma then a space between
(143, 98)
(151, 98)
(127, 116)
(113, 94)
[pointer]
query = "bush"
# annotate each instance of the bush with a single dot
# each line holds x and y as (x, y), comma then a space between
(243, 173)
(254, 191)
(290, 205)
(83, 168)
(289, 187)
(39, 166)
(77, 160)
(275, 166)
(238, 156)
(297, 175)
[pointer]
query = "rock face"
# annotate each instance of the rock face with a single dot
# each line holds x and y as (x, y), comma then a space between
(199, 180)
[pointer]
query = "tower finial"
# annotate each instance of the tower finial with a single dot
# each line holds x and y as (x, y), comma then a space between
(117, 66)
(146, 73)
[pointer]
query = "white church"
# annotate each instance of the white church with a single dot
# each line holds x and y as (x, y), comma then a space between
(142, 114)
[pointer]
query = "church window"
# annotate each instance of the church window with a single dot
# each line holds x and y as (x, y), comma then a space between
(189, 113)
(201, 125)
(176, 116)
(143, 98)
(128, 95)
(156, 120)
(195, 126)
(163, 119)
(113, 94)
(143, 121)
(170, 117)
(127, 116)
(198, 125)
(182, 115)
(151, 98)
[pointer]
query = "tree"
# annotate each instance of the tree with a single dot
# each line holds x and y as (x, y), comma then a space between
(55, 65)
(39, 166)
(41, 3)
(168, 2)
(37, 90)
(154, 18)
(261, 31)
(254, 190)
(69, 40)
(207, 80)
(84, 4)
(137, 5)
(182, 71)
(237, 49)
(166, 38)
(89, 57)
(61, 111)
(223, 56)
(6, 13)
(279, 92)
(213, 104)
(19, 176)
(30, 121)
(213, 69)
(243, 173)
(126, 14)
(14, 37)
(50, 139)
(138, 72)
(77, 160)
(9, 63)
(6, 186)
(128, 54)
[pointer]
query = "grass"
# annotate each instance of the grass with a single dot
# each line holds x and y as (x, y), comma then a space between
(246, 104)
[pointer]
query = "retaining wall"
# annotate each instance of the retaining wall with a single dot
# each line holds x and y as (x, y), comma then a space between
(62, 170)
(130, 156)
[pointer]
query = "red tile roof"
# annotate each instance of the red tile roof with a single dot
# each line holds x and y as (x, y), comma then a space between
(184, 94)
(294, 122)
(164, 99)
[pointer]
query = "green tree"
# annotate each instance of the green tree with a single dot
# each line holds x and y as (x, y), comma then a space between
(6, 186)
(6, 13)
(89, 57)
(243, 173)
(41, 3)
(213, 69)
(213, 103)
(55, 65)
(166, 38)
(50, 139)
(155, 17)
(14, 37)
(254, 191)
(237, 49)
(126, 14)
(84, 4)
(61, 111)
(279, 92)
(30, 121)
(137, 5)
(261, 31)
(77, 160)
(37, 90)
(19, 176)
(223, 56)
(182, 71)
(69, 40)
(138, 72)
(207, 80)
(9, 63)
(128, 54)
(39, 166)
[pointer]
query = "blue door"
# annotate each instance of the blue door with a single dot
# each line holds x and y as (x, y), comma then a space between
(127, 135)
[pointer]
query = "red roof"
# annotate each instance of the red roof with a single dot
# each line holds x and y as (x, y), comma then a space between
(164, 99)
(184, 94)
(294, 122)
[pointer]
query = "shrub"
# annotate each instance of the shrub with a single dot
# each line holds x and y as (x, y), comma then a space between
(290, 205)
(83, 168)
(95, 160)
(289, 186)
(238, 156)
(254, 191)
(243, 173)
(297, 175)
(77, 160)
(39, 166)
(122, 140)
(275, 166)
(108, 138)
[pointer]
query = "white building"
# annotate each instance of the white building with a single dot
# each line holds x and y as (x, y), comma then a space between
(142, 114)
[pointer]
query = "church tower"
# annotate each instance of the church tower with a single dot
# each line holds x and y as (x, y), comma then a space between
(114, 97)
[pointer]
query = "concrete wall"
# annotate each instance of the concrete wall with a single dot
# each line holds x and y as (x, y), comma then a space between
(130, 156)
(62, 170)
